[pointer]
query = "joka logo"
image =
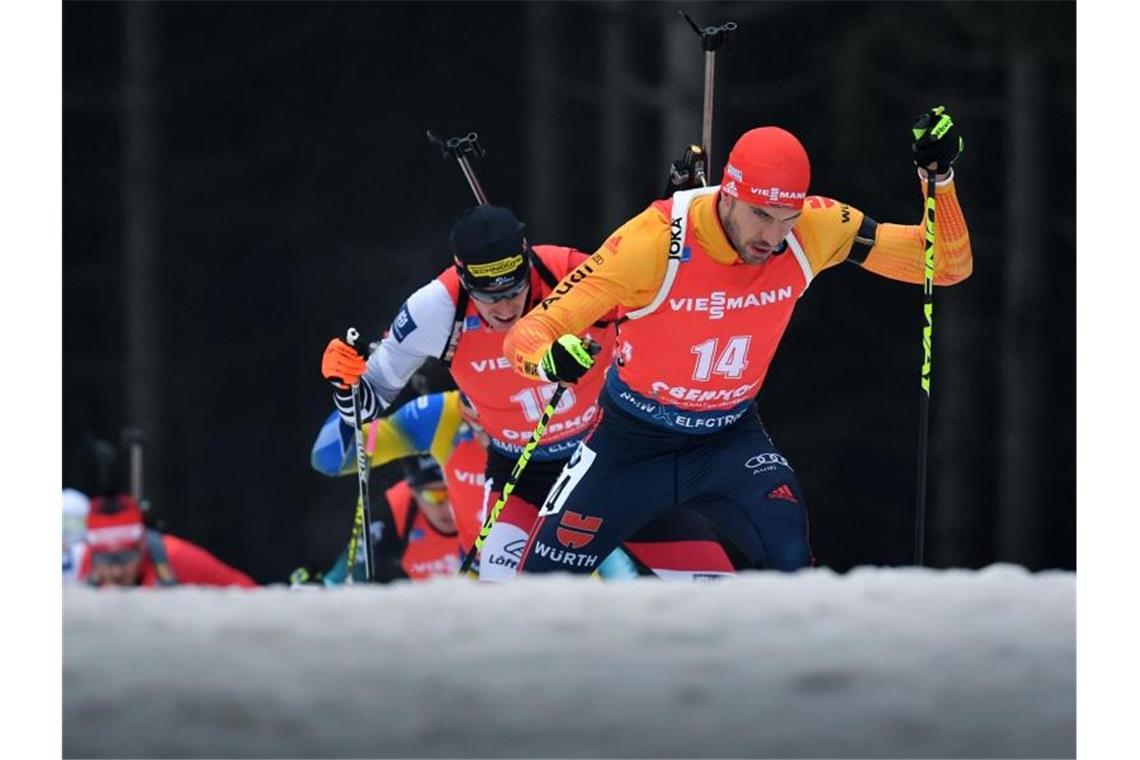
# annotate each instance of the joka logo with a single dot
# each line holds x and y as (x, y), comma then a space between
(675, 238)
(783, 492)
(403, 324)
(575, 530)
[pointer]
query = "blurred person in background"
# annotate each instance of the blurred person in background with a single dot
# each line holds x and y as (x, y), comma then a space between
(121, 551)
(75, 508)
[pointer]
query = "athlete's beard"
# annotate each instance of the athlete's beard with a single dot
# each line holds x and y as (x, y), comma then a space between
(732, 230)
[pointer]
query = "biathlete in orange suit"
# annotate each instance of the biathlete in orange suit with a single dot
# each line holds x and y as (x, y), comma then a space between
(706, 283)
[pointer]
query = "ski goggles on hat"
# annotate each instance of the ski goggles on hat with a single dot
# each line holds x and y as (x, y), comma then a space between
(122, 557)
(503, 294)
(434, 495)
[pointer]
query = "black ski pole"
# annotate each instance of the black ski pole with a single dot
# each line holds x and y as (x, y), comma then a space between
(924, 393)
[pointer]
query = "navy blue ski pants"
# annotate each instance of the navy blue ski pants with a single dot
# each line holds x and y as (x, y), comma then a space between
(629, 472)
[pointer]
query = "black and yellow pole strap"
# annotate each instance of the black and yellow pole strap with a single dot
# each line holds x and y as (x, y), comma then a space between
(363, 518)
(924, 393)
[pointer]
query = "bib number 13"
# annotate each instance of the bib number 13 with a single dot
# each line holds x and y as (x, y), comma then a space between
(730, 362)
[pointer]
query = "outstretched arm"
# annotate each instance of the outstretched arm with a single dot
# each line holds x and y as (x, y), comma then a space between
(834, 232)
(897, 251)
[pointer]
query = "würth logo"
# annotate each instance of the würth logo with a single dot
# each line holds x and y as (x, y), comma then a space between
(783, 492)
(575, 530)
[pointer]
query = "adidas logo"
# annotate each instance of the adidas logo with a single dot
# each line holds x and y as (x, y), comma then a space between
(783, 492)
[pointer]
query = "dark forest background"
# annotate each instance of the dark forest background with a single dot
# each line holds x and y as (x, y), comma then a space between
(242, 181)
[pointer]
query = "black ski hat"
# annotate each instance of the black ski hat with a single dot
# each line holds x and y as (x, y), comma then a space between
(490, 248)
(421, 470)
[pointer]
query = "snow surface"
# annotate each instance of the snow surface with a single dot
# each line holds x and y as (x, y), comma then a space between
(876, 662)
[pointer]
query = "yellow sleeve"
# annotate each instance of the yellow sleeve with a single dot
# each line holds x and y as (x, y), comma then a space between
(899, 249)
(626, 271)
(827, 229)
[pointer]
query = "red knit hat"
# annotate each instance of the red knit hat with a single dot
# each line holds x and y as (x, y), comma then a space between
(115, 523)
(767, 167)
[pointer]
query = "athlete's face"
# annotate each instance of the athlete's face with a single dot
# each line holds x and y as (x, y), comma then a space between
(111, 570)
(755, 231)
(436, 506)
(502, 314)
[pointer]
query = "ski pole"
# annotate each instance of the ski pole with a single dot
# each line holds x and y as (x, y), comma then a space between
(509, 486)
(354, 542)
(520, 465)
(924, 393)
(460, 148)
(363, 519)
(712, 39)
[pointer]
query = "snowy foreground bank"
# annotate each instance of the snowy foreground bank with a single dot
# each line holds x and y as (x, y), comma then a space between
(884, 663)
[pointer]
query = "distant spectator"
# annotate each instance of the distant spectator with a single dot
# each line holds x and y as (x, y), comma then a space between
(122, 552)
(75, 508)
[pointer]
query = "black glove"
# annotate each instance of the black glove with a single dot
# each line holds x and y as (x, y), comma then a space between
(568, 358)
(688, 172)
(936, 140)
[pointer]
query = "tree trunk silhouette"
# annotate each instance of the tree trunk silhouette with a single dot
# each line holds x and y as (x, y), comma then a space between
(140, 209)
(1025, 411)
(544, 135)
(615, 191)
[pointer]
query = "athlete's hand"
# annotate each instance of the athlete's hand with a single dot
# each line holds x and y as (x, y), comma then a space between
(937, 142)
(342, 365)
(567, 359)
